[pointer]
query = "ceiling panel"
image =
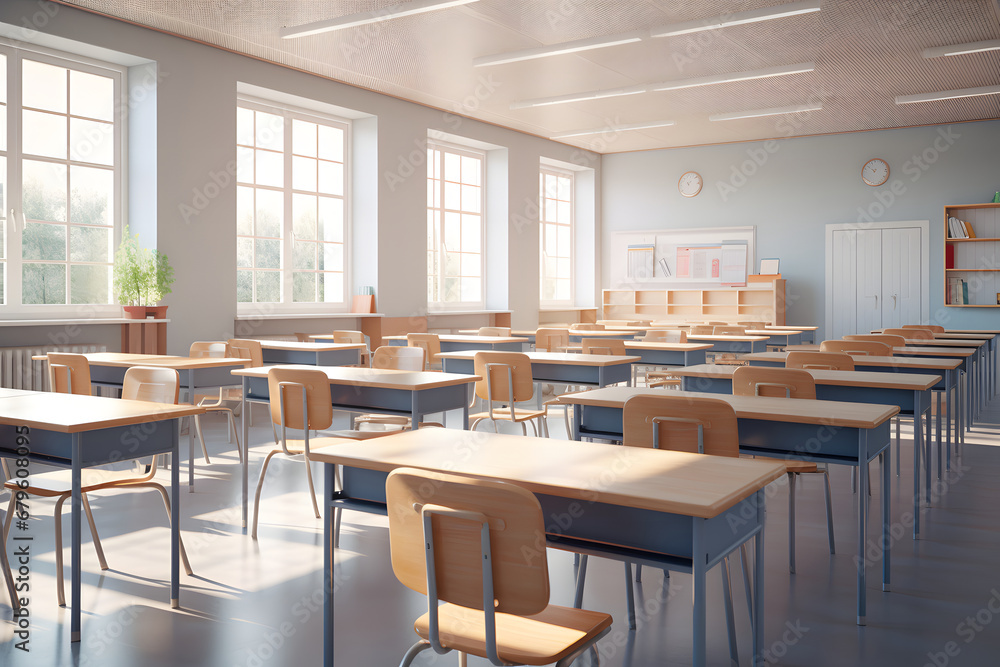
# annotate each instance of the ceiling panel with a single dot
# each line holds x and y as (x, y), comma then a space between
(866, 53)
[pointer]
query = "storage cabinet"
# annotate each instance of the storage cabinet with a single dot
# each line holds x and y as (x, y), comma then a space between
(761, 302)
(974, 260)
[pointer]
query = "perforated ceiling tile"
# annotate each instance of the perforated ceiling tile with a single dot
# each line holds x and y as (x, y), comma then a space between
(866, 52)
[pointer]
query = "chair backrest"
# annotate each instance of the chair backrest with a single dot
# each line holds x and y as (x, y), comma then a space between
(551, 340)
(911, 334)
(429, 343)
(148, 383)
(499, 372)
(604, 346)
(866, 347)
(243, 348)
(348, 337)
(586, 326)
(664, 336)
(69, 373)
(701, 330)
(779, 382)
(830, 361)
(421, 502)
(302, 337)
(678, 423)
(494, 331)
(729, 330)
(756, 326)
(397, 357)
(206, 348)
(890, 340)
(935, 328)
(285, 388)
(717, 324)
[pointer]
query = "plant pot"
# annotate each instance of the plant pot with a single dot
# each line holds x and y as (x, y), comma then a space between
(156, 312)
(135, 312)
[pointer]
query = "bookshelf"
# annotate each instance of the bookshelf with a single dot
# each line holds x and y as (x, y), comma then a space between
(974, 260)
(763, 302)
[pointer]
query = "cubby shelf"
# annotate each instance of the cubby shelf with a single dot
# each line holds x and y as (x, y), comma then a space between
(976, 256)
(763, 302)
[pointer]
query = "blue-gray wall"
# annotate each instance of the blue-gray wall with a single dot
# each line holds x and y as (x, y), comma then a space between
(792, 188)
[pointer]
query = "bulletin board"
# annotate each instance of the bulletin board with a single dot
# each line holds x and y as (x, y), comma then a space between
(676, 258)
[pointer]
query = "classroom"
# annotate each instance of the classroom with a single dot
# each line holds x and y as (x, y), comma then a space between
(427, 320)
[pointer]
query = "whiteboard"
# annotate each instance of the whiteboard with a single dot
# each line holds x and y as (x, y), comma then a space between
(699, 258)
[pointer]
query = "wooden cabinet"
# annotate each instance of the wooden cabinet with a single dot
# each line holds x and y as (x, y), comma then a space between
(763, 302)
(976, 261)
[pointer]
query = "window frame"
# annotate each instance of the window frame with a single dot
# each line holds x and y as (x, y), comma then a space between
(544, 170)
(289, 112)
(443, 147)
(16, 53)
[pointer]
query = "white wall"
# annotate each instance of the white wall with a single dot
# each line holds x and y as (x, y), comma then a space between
(195, 138)
(791, 188)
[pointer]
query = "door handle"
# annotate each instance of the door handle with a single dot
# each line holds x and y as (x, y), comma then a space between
(876, 300)
(894, 302)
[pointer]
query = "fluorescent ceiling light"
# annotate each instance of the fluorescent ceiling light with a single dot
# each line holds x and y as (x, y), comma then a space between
(774, 111)
(737, 18)
(558, 49)
(948, 95)
(730, 78)
(375, 16)
(615, 128)
(961, 49)
(579, 97)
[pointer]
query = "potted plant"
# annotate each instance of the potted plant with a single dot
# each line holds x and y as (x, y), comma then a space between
(142, 278)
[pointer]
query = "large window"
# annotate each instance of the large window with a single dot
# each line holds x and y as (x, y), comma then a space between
(556, 235)
(291, 207)
(60, 180)
(454, 227)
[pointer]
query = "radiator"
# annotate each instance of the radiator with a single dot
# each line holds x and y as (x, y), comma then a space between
(18, 371)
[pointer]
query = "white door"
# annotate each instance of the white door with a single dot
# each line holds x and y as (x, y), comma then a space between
(900, 276)
(844, 295)
(869, 272)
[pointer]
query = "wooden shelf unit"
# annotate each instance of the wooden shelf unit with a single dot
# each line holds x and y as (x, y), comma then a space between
(978, 259)
(763, 302)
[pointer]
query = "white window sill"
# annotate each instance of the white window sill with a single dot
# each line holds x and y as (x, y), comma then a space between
(304, 316)
(64, 322)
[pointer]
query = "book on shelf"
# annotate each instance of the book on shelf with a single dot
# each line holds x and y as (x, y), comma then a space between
(959, 229)
(957, 293)
(969, 232)
(949, 256)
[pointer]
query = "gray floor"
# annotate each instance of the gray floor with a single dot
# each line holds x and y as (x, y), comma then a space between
(255, 604)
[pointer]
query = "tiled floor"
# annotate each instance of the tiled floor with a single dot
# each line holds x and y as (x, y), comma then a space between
(257, 604)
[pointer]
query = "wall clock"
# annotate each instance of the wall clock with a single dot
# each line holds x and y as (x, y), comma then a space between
(690, 183)
(875, 172)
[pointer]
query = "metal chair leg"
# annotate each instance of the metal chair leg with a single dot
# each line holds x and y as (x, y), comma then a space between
(791, 522)
(829, 511)
(93, 532)
(312, 488)
(414, 651)
(256, 497)
(581, 580)
(201, 437)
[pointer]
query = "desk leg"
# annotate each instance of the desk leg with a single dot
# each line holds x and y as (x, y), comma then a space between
(698, 563)
(947, 415)
(175, 519)
(77, 502)
(938, 421)
(245, 425)
(329, 553)
(577, 422)
(918, 407)
(191, 430)
(928, 447)
(886, 537)
(862, 520)
(758, 586)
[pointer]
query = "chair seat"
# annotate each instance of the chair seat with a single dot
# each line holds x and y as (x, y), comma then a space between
(334, 438)
(520, 414)
(792, 465)
(354, 435)
(541, 639)
(60, 482)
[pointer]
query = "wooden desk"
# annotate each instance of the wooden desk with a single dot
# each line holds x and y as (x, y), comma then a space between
(665, 509)
(457, 343)
(779, 337)
(992, 336)
(409, 393)
(905, 351)
(596, 370)
(821, 431)
(910, 393)
(75, 431)
(577, 336)
(312, 354)
(732, 344)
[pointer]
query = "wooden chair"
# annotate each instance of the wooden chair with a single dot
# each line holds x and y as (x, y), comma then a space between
(910, 334)
(243, 348)
(755, 326)
(462, 541)
(934, 328)
(612, 346)
(885, 339)
(215, 402)
(586, 326)
(160, 385)
(862, 347)
(787, 383)
(302, 337)
(354, 337)
(393, 357)
(301, 400)
(506, 379)
(431, 345)
(494, 331)
(728, 330)
(69, 373)
(830, 361)
(665, 336)
(551, 340)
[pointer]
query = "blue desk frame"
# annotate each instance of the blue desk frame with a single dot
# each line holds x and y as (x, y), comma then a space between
(571, 374)
(344, 357)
